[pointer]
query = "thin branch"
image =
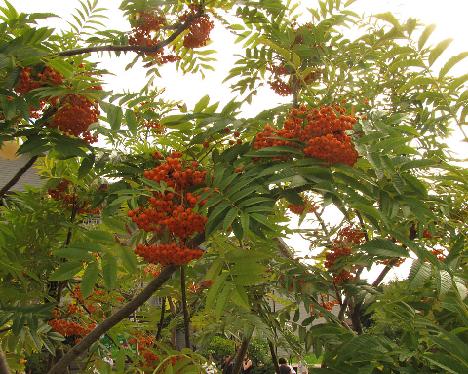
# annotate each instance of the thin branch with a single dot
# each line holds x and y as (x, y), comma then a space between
(161, 319)
(184, 307)
(111, 321)
(136, 48)
(17, 176)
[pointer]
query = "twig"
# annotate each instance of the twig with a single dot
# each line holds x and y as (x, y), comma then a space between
(161, 319)
(136, 48)
(17, 176)
(184, 307)
(111, 321)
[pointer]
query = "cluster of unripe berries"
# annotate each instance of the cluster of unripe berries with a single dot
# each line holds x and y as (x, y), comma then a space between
(174, 213)
(342, 247)
(319, 132)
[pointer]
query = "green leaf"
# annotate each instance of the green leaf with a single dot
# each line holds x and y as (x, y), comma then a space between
(89, 279)
(128, 258)
(132, 122)
(109, 270)
(452, 61)
(425, 35)
(438, 50)
(382, 247)
(66, 271)
(86, 165)
(202, 104)
(230, 217)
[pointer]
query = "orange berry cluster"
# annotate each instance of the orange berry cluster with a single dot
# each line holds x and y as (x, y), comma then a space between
(175, 174)
(439, 253)
(70, 199)
(29, 81)
(199, 32)
(143, 343)
(74, 116)
(389, 261)
(144, 33)
(322, 130)
(152, 269)
(347, 237)
(306, 207)
(70, 328)
(155, 127)
(196, 287)
(351, 235)
(166, 213)
(169, 253)
(174, 213)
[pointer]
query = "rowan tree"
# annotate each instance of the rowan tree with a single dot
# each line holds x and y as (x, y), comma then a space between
(143, 196)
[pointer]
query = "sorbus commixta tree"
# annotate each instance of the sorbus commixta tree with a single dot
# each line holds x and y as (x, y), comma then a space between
(146, 196)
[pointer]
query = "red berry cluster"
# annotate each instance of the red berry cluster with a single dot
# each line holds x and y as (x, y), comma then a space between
(169, 253)
(322, 130)
(144, 33)
(174, 213)
(199, 32)
(74, 116)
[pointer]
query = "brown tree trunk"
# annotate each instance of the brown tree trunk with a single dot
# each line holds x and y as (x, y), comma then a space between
(241, 353)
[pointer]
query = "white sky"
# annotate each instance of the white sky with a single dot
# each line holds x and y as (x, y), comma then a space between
(448, 15)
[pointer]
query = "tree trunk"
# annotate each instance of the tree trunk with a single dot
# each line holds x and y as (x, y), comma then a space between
(241, 353)
(274, 358)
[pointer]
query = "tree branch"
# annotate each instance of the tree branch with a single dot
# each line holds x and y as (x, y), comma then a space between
(161, 319)
(184, 307)
(111, 321)
(137, 48)
(17, 176)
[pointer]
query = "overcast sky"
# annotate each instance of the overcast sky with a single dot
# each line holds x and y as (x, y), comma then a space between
(448, 15)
